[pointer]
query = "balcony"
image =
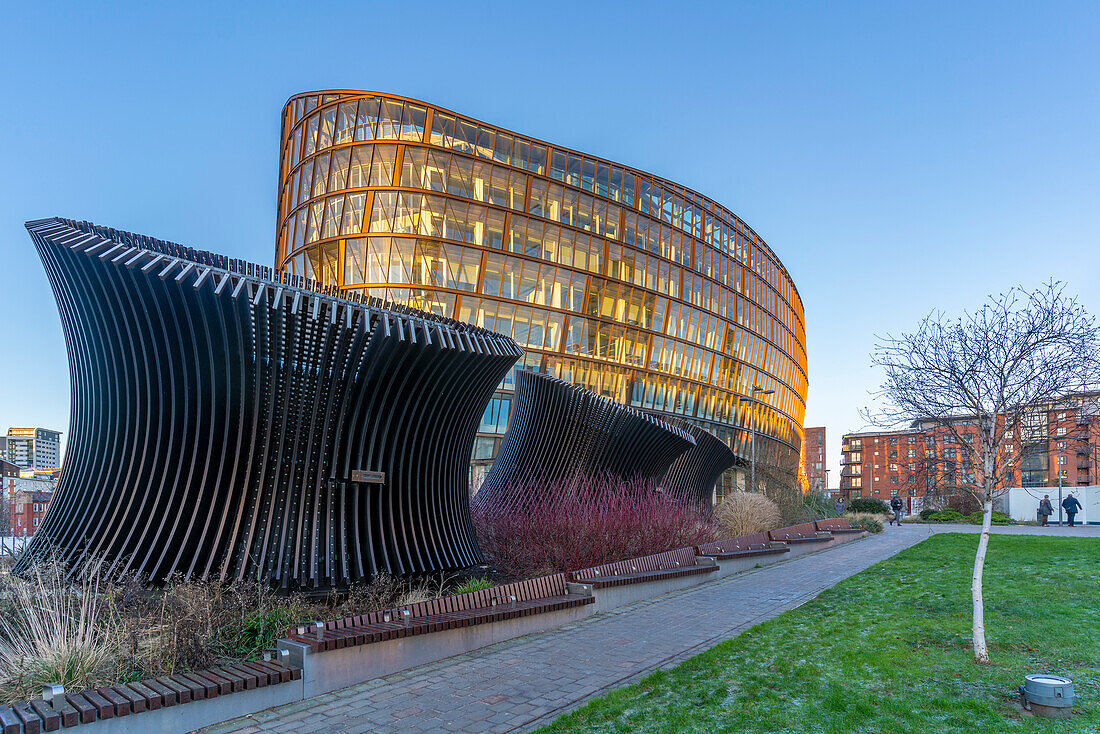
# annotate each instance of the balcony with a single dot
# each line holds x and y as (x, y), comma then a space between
(1083, 420)
(1082, 450)
(848, 460)
(1084, 465)
(1084, 479)
(850, 472)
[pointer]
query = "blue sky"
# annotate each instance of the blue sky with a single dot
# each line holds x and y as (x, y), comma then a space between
(898, 156)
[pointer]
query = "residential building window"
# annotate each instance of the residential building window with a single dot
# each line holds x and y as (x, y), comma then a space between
(929, 441)
(1061, 459)
(912, 453)
(1060, 431)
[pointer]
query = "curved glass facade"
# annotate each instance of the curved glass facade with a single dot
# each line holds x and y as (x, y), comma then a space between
(633, 286)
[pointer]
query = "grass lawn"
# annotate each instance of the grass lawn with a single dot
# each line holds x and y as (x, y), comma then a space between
(888, 650)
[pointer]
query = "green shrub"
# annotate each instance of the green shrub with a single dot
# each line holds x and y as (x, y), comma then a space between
(947, 515)
(869, 524)
(927, 513)
(999, 518)
(258, 630)
(818, 505)
(474, 585)
(869, 504)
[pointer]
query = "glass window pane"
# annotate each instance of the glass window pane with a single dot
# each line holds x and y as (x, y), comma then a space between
(354, 261)
(366, 125)
(382, 165)
(353, 214)
(389, 120)
(320, 175)
(502, 149)
(412, 122)
(443, 129)
(311, 136)
(345, 123)
(485, 140)
(359, 171)
(465, 136)
(328, 126)
(536, 161)
(558, 165)
(338, 175)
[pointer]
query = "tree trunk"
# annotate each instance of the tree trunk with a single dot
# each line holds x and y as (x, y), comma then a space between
(981, 652)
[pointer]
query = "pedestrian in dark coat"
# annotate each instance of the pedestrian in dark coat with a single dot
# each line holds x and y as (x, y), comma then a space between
(1072, 507)
(896, 504)
(1045, 510)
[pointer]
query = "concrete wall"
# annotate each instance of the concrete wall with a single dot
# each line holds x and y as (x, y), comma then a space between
(197, 714)
(334, 669)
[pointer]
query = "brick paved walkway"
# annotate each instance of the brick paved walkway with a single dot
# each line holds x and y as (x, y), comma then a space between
(523, 683)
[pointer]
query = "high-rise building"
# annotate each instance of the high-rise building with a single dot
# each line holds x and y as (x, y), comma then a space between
(34, 448)
(813, 458)
(609, 277)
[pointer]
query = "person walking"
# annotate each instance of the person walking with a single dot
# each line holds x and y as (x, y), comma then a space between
(1072, 507)
(896, 504)
(1045, 510)
(839, 506)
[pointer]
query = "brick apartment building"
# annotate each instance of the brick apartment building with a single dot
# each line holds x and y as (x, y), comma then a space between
(24, 500)
(1059, 442)
(813, 458)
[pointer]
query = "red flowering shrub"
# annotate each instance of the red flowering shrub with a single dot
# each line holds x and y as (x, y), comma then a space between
(550, 528)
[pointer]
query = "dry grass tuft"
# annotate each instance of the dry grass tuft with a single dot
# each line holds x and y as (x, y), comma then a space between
(744, 513)
(52, 631)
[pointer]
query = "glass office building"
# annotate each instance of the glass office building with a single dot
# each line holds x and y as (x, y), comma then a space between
(634, 286)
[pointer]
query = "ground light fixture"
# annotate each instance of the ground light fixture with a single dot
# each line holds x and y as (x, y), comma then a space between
(1046, 695)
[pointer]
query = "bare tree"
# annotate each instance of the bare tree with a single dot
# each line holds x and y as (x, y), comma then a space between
(998, 368)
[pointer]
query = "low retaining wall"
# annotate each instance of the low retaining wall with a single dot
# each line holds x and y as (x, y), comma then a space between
(610, 597)
(197, 714)
(731, 566)
(332, 670)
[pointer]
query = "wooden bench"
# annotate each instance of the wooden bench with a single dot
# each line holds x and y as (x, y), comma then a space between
(805, 532)
(743, 546)
(836, 525)
(109, 702)
(670, 564)
(520, 599)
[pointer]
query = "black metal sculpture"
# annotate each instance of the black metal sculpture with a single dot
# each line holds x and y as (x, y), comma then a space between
(229, 421)
(560, 432)
(696, 471)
